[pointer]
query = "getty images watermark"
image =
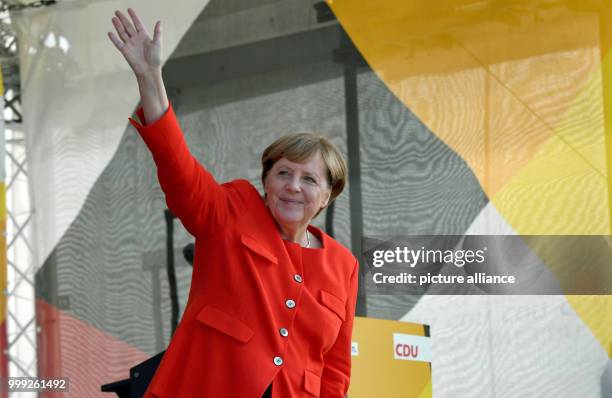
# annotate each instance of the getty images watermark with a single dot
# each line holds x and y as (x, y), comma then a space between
(412, 257)
(491, 264)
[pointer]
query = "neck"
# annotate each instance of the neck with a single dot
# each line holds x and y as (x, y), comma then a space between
(294, 234)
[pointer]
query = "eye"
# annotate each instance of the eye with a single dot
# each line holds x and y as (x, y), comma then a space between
(282, 172)
(311, 180)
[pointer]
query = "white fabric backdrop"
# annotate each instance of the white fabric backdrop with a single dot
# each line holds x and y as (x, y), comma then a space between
(77, 95)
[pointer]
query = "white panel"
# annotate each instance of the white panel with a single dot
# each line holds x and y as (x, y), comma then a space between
(77, 94)
(509, 345)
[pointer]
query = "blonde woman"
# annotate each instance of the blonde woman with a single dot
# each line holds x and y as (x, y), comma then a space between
(272, 300)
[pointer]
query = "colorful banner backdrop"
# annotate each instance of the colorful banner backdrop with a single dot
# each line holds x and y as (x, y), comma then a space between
(517, 90)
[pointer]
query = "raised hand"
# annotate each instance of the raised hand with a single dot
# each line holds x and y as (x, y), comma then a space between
(143, 54)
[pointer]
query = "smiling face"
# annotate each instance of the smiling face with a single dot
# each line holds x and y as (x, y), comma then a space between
(295, 192)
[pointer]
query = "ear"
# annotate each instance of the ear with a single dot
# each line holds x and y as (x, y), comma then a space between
(265, 193)
(326, 198)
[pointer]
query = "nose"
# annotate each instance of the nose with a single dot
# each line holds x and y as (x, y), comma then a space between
(293, 185)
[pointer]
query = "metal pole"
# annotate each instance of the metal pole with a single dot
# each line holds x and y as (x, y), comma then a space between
(350, 58)
(170, 268)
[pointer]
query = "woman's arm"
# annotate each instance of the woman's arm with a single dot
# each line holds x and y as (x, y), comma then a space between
(192, 194)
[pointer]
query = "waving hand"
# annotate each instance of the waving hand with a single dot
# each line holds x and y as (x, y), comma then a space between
(144, 55)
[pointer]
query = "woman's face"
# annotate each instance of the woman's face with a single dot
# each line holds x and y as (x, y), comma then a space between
(296, 191)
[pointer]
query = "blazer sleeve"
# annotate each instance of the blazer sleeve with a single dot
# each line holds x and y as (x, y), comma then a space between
(337, 361)
(192, 193)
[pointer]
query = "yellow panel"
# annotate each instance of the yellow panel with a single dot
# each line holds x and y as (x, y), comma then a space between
(488, 78)
(375, 372)
(427, 392)
(563, 189)
(596, 313)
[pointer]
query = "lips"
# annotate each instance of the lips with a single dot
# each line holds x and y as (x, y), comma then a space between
(292, 201)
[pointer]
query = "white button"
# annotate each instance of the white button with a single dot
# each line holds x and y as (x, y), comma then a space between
(298, 278)
(284, 332)
(278, 361)
(290, 303)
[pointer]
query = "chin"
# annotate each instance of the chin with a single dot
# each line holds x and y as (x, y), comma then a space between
(290, 220)
(285, 218)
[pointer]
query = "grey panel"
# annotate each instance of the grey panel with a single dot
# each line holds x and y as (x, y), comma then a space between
(412, 183)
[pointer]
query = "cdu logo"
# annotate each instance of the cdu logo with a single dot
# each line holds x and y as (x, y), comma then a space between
(405, 350)
(411, 348)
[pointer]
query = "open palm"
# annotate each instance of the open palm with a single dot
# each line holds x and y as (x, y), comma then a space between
(143, 54)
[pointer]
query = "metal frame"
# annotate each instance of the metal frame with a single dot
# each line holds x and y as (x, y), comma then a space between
(21, 314)
(21, 326)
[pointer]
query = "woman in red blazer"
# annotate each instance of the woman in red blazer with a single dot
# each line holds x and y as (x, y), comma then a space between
(272, 299)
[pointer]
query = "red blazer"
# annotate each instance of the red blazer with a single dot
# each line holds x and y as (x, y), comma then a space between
(260, 309)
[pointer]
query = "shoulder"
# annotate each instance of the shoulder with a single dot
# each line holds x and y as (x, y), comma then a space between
(243, 188)
(240, 184)
(340, 252)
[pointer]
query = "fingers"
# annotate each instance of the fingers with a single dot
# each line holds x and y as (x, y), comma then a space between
(118, 43)
(127, 25)
(120, 30)
(137, 23)
(157, 33)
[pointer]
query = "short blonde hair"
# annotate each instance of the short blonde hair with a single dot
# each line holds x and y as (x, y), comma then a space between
(299, 148)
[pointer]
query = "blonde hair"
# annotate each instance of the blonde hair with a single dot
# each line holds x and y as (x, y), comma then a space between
(299, 148)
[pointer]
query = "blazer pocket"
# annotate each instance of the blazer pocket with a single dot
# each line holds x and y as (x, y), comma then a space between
(312, 383)
(225, 323)
(256, 247)
(333, 303)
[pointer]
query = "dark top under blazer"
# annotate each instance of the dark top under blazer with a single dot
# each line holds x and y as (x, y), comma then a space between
(244, 284)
